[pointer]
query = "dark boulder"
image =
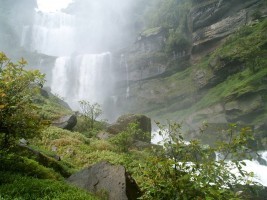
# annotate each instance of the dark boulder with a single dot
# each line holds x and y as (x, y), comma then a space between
(66, 122)
(122, 123)
(112, 179)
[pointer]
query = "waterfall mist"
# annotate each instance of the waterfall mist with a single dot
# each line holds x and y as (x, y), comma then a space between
(81, 37)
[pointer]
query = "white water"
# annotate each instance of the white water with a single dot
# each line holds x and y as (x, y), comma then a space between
(83, 77)
(75, 76)
(52, 34)
(259, 170)
(124, 64)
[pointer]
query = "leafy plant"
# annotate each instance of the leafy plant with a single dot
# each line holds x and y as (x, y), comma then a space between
(125, 139)
(187, 170)
(19, 117)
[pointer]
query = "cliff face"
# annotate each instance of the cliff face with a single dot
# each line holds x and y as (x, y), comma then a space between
(214, 20)
(220, 78)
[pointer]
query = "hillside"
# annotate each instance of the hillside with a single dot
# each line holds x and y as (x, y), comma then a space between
(197, 70)
(207, 64)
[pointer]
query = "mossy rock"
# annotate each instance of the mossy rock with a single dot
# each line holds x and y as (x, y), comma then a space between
(144, 123)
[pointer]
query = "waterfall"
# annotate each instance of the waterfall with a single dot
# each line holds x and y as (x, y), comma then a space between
(74, 76)
(124, 63)
(51, 34)
(83, 77)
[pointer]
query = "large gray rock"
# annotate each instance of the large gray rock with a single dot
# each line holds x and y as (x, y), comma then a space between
(66, 122)
(105, 177)
(122, 123)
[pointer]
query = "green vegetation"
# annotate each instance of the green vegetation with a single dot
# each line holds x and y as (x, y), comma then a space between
(170, 15)
(175, 171)
(243, 52)
(189, 171)
(18, 115)
(14, 186)
(28, 172)
(51, 107)
(90, 112)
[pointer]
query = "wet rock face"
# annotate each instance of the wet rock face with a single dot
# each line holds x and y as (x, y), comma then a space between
(110, 179)
(214, 20)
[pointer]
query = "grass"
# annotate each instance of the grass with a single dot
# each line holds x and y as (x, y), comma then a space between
(28, 167)
(51, 107)
(18, 187)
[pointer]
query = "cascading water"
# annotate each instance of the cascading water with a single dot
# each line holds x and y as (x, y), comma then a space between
(84, 77)
(123, 63)
(74, 77)
(51, 34)
(259, 169)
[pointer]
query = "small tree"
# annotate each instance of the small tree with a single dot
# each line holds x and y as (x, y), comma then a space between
(90, 111)
(18, 115)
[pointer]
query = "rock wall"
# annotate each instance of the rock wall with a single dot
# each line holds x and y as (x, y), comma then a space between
(174, 91)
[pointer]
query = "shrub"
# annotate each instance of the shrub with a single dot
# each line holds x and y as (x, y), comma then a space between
(182, 170)
(19, 117)
(125, 139)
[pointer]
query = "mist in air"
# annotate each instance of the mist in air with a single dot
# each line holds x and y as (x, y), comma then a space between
(82, 27)
(83, 36)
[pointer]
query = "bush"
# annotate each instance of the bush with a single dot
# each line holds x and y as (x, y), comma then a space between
(183, 170)
(125, 139)
(19, 117)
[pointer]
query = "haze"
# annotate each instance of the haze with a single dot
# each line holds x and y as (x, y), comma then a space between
(52, 5)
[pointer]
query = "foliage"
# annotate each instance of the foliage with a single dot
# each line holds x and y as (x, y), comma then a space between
(25, 166)
(171, 16)
(14, 186)
(236, 46)
(90, 112)
(167, 13)
(182, 170)
(83, 126)
(125, 139)
(18, 115)
(51, 107)
(177, 42)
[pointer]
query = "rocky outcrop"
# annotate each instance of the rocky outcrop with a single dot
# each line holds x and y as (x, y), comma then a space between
(244, 108)
(107, 178)
(46, 160)
(46, 92)
(66, 122)
(144, 123)
(218, 71)
(150, 40)
(214, 20)
(218, 30)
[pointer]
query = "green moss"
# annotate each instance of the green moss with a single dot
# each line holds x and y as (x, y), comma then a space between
(25, 166)
(15, 186)
(51, 108)
(245, 42)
